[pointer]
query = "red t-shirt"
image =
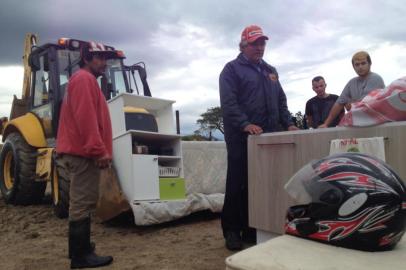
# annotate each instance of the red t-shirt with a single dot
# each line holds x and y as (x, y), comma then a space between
(84, 123)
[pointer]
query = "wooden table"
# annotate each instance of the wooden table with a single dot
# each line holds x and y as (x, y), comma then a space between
(274, 157)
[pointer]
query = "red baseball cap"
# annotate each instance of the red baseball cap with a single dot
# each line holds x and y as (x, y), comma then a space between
(252, 33)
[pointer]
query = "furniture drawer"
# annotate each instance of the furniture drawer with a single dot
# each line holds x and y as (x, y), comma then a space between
(172, 188)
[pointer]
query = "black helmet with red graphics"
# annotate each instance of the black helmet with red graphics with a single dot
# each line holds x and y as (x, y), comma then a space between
(351, 200)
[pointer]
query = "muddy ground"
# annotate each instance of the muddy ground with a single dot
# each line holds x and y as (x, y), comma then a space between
(32, 237)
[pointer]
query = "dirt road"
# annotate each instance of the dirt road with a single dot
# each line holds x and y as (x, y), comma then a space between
(33, 238)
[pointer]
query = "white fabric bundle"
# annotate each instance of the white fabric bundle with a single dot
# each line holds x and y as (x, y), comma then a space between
(379, 106)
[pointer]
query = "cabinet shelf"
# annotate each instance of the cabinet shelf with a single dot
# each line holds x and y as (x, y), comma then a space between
(148, 103)
(160, 157)
(169, 158)
(150, 136)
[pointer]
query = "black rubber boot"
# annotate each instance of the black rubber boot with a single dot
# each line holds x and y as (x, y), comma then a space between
(92, 246)
(81, 250)
(233, 241)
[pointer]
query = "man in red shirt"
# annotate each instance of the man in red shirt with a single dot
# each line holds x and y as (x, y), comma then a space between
(84, 148)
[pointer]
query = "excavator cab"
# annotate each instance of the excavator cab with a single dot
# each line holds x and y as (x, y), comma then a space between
(27, 157)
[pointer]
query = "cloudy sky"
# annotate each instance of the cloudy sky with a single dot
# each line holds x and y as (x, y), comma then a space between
(186, 43)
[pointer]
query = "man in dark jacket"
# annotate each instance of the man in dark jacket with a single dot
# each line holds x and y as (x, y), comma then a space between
(84, 148)
(252, 102)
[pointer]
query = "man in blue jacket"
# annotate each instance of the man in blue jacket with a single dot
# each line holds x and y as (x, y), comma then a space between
(252, 102)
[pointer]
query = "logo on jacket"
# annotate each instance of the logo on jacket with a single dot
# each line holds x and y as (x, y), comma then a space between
(272, 77)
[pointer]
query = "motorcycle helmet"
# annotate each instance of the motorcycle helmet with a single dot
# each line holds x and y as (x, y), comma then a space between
(350, 200)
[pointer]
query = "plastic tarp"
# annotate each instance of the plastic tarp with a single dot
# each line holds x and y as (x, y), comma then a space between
(149, 213)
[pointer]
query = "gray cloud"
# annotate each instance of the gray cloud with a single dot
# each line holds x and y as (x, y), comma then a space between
(130, 24)
(304, 35)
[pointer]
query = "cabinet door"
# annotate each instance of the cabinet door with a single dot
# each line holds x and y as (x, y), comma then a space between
(146, 177)
(270, 167)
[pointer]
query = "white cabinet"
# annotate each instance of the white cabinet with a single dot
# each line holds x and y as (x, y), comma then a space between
(139, 173)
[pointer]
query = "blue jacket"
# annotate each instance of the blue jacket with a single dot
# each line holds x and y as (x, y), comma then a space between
(251, 94)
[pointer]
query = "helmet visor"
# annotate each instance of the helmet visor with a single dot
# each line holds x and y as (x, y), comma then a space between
(306, 187)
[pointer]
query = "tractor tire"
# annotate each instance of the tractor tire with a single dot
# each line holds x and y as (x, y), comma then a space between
(60, 191)
(17, 172)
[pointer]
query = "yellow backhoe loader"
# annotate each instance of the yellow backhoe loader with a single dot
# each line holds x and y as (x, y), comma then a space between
(27, 161)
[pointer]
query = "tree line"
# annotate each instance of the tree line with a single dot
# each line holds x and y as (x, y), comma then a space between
(212, 121)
